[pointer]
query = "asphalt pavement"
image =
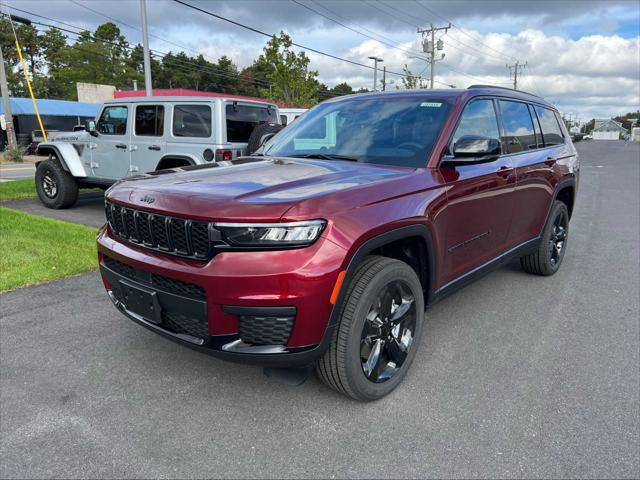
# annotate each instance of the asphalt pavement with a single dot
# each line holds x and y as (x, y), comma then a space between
(15, 172)
(516, 376)
(89, 210)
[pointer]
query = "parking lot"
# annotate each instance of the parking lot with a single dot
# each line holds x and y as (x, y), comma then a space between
(516, 376)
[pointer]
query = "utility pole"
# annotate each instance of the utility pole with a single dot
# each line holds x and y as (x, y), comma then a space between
(376, 60)
(429, 46)
(514, 68)
(384, 78)
(145, 47)
(8, 118)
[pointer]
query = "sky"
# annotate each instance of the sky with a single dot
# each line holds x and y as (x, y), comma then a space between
(584, 56)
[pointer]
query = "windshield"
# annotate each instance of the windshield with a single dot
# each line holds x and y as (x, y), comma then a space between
(399, 131)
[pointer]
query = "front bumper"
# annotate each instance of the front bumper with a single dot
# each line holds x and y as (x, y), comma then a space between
(234, 287)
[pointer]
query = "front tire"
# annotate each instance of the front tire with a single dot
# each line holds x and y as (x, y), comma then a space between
(56, 188)
(546, 260)
(378, 333)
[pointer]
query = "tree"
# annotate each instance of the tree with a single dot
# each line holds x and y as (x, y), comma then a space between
(289, 72)
(410, 81)
(342, 89)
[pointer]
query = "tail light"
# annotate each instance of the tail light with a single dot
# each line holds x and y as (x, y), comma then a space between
(223, 155)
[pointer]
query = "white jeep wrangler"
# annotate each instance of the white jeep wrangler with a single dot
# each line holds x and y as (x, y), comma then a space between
(143, 134)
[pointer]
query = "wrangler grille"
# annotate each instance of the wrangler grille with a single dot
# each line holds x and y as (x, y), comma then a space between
(186, 238)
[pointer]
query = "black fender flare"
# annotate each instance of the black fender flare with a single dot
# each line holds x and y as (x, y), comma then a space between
(561, 185)
(392, 235)
(186, 158)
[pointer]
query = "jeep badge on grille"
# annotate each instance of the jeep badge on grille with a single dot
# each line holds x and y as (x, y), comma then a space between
(147, 199)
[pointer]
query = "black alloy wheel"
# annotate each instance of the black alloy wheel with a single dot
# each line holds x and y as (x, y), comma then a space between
(49, 185)
(388, 332)
(557, 240)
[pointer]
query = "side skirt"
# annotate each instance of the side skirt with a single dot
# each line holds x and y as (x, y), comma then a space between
(472, 275)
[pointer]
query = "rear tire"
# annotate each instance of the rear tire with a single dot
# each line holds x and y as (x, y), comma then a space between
(378, 332)
(56, 188)
(259, 132)
(546, 260)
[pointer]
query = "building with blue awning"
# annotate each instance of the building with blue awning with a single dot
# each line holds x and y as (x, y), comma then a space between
(57, 115)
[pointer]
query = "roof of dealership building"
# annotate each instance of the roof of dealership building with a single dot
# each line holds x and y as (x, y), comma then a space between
(66, 108)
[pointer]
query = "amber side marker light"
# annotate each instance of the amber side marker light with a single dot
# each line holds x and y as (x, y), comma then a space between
(336, 287)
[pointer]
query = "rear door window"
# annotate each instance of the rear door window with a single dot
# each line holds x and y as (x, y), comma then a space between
(242, 119)
(519, 135)
(113, 120)
(192, 121)
(149, 120)
(551, 132)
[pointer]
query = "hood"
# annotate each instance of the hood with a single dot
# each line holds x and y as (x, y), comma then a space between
(253, 188)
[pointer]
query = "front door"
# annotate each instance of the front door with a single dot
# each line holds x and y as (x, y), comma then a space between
(111, 147)
(148, 144)
(480, 195)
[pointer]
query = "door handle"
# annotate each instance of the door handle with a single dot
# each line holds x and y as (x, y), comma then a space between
(504, 171)
(550, 161)
(121, 145)
(154, 147)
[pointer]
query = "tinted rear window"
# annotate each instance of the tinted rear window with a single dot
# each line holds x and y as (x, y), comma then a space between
(192, 121)
(551, 133)
(518, 127)
(149, 120)
(242, 119)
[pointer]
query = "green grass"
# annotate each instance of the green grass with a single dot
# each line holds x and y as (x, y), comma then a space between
(35, 249)
(18, 189)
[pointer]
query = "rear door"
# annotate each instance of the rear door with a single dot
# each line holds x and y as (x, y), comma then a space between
(533, 145)
(148, 141)
(480, 196)
(241, 119)
(110, 158)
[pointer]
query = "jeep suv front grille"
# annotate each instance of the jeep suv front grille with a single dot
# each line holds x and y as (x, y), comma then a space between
(178, 236)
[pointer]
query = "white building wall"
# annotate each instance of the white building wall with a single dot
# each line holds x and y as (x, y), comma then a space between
(94, 92)
(606, 135)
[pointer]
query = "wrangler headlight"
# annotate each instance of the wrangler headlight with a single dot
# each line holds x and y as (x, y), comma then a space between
(291, 234)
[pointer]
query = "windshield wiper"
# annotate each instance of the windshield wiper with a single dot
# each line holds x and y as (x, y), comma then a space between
(326, 156)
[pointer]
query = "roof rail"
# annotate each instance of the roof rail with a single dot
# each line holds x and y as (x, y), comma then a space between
(501, 88)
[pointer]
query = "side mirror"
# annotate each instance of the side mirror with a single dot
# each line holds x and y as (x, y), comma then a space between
(474, 146)
(473, 149)
(90, 126)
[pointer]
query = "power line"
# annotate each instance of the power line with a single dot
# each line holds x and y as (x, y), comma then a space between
(463, 31)
(158, 54)
(352, 29)
(377, 34)
(467, 50)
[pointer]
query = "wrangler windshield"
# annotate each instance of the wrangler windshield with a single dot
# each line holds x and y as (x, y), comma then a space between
(392, 130)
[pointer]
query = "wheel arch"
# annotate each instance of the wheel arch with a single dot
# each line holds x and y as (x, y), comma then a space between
(566, 193)
(66, 154)
(173, 160)
(393, 242)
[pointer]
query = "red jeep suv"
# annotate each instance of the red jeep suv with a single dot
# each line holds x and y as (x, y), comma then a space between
(325, 247)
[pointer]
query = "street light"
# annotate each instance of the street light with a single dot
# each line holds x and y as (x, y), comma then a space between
(376, 60)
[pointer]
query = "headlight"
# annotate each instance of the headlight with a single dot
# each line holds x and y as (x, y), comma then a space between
(292, 234)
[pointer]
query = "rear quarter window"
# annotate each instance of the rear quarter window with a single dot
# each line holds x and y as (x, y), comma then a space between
(192, 121)
(551, 132)
(242, 119)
